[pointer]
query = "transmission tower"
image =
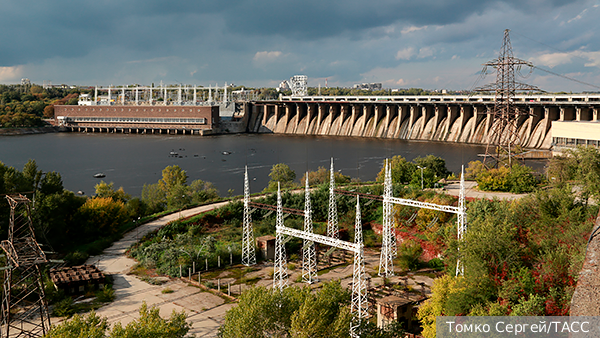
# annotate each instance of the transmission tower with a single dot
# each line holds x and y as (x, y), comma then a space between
(332, 217)
(24, 307)
(388, 238)
(309, 253)
(280, 275)
(248, 251)
(359, 283)
(462, 222)
(503, 135)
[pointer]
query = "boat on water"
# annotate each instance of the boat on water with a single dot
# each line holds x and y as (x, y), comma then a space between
(99, 175)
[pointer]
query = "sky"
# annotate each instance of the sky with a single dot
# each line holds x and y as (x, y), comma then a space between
(430, 44)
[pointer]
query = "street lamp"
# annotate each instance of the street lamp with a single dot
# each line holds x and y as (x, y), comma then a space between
(418, 166)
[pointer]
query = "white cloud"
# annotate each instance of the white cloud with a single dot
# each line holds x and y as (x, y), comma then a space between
(552, 59)
(405, 54)
(266, 56)
(412, 29)
(578, 17)
(425, 52)
(10, 73)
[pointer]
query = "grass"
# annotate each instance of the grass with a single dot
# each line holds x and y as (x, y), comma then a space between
(166, 291)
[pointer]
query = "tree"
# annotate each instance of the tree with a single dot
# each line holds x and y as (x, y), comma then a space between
(402, 170)
(32, 175)
(283, 174)
(149, 325)
(321, 176)
(108, 190)
(171, 177)
(51, 183)
(435, 164)
(201, 191)
(295, 312)
(90, 326)
(102, 216)
(154, 198)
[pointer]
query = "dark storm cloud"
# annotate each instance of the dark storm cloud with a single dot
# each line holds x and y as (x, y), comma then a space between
(70, 28)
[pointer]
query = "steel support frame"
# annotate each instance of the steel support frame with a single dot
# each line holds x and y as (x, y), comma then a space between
(24, 308)
(388, 245)
(248, 247)
(309, 252)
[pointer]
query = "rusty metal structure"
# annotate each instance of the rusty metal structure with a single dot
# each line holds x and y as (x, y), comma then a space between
(504, 137)
(24, 308)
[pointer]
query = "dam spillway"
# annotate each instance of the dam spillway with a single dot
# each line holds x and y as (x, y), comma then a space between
(464, 119)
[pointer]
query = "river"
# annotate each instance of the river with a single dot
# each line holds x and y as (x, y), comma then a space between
(130, 161)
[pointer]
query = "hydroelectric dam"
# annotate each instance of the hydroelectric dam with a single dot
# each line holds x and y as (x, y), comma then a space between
(444, 118)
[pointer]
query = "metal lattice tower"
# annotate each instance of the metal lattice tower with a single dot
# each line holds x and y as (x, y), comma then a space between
(503, 135)
(332, 217)
(248, 251)
(388, 238)
(462, 222)
(280, 275)
(24, 308)
(359, 282)
(388, 191)
(299, 85)
(309, 253)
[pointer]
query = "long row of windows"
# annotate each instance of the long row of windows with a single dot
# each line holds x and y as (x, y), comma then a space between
(573, 142)
(136, 120)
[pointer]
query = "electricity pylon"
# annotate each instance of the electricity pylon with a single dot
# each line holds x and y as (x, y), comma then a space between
(248, 250)
(24, 307)
(503, 136)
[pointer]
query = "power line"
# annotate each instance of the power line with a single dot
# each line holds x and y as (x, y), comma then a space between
(566, 77)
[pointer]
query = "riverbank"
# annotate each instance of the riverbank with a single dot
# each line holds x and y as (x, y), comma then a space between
(28, 131)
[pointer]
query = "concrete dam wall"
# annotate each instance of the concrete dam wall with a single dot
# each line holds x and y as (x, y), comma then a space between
(466, 123)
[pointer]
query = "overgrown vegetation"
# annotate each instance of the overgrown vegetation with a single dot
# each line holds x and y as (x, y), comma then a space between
(517, 179)
(149, 324)
(173, 192)
(405, 172)
(205, 237)
(521, 257)
(296, 312)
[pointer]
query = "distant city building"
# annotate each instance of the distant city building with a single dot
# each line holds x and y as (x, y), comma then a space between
(25, 82)
(368, 86)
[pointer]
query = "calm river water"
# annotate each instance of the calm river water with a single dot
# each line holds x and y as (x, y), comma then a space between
(131, 161)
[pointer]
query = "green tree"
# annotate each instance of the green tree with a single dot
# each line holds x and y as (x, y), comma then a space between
(402, 170)
(321, 176)
(283, 174)
(172, 176)
(51, 183)
(151, 325)
(201, 191)
(435, 164)
(107, 190)
(102, 216)
(90, 326)
(295, 312)
(154, 198)
(32, 175)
